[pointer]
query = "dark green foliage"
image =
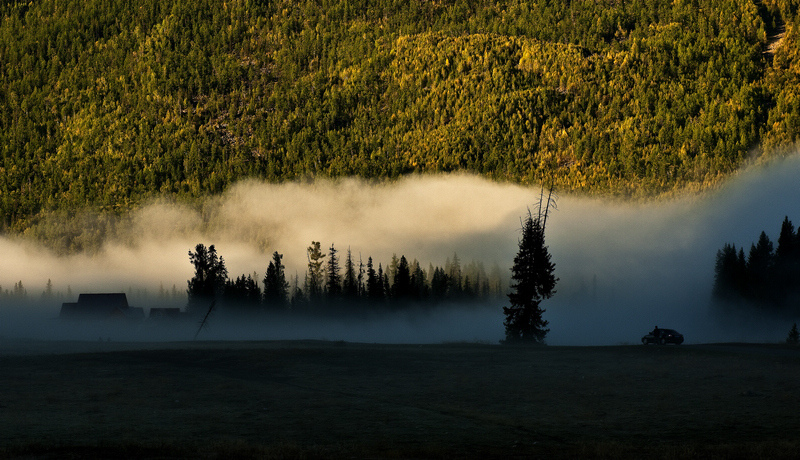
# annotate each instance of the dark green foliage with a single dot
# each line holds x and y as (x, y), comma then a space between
(769, 278)
(276, 288)
(209, 280)
(730, 273)
(454, 279)
(315, 277)
(439, 284)
(375, 292)
(760, 267)
(106, 104)
(794, 336)
(419, 285)
(242, 295)
(325, 290)
(402, 289)
(350, 281)
(362, 288)
(533, 281)
(333, 285)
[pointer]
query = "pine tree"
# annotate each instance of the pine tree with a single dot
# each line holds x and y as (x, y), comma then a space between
(786, 241)
(350, 283)
(276, 288)
(759, 269)
(314, 277)
(401, 289)
(374, 284)
(794, 336)
(333, 287)
(726, 269)
(454, 278)
(360, 278)
(209, 278)
(439, 284)
(243, 295)
(532, 281)
(418, 281)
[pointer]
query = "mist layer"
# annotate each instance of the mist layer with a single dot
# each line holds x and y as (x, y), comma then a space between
(623, 267)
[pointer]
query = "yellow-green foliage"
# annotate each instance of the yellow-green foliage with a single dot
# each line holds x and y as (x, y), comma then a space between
(106, 103)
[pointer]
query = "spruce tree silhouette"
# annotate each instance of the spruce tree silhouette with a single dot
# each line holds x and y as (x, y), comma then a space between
(794, 336)
(209, 278)
(350, 283)
(333, 286)
(401, 289)
(374, 283)
(276, 288)
(533, 280)
(315, 276)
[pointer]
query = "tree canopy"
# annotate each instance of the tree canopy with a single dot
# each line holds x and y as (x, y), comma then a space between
(104, 104)
(533, 280)
(768, 279)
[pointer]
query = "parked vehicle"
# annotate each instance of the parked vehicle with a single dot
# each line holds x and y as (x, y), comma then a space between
(663, 337)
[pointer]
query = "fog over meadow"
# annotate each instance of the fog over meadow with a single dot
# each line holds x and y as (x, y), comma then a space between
(623, 267)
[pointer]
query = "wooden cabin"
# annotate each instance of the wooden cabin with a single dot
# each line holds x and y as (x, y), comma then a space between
(101, 306)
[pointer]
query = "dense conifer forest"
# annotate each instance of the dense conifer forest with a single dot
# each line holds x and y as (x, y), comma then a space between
(332, 284)
(765, 278)
(105, 104)
(336, 284)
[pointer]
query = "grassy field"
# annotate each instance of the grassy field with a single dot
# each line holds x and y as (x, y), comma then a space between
(344, 400)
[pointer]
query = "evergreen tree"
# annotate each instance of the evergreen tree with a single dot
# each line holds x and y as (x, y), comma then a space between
(766, 277)
(351, 279)
(532, 281)
(19, 290)
(726, 273)
(401, 289)
(794, 336)
(439, 284)
(360, 278)
(243, 295)
(315, 274)
(276, 288)
(419, 285)
(391, 271)
(48, 290)
(454, 278)
(468, 291)
(387, 288)
(208, 282)
(786, 242)
(298, 299)
(333, 286)
(374, 282)
(759, 269)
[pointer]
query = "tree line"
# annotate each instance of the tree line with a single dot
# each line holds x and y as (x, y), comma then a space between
(335, 284)
(766, 277)
(106, 104)
(20, 293)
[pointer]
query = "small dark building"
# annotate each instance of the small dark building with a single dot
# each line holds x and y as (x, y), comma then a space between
(101, 306)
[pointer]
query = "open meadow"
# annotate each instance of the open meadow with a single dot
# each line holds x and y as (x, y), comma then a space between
(304, 399)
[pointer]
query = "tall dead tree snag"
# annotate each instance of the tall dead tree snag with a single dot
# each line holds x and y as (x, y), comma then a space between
(532, 278)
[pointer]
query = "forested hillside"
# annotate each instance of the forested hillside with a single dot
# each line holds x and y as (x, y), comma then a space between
(106, 103)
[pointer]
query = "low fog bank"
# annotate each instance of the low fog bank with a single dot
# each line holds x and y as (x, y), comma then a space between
(623, 267)
(443, 324)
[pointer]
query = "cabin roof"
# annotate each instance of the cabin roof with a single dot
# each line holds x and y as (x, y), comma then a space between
(100, 305)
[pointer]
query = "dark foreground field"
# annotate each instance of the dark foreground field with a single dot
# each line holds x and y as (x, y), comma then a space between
(342, 400)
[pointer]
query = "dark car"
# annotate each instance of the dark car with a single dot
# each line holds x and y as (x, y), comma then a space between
(663, 336)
